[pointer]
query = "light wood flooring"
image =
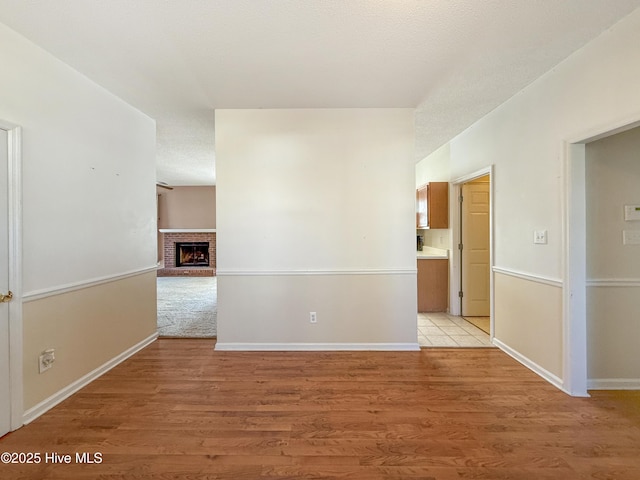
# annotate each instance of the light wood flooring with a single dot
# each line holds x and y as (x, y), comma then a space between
(179, 409)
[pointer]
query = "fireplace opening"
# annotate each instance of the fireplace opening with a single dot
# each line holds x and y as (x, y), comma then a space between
(193, 254)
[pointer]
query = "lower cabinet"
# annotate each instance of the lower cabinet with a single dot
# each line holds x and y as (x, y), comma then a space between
(433, 285)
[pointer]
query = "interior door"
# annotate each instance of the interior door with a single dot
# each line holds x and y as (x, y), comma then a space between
(5, 394)
(475, 273)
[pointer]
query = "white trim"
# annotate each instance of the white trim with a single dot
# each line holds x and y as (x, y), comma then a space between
(314, 347)
(554, 282)
(71, 287)
(187, 230)
(574, 212)
(614, 282)
(277, 273)
(473, 175)
(614, 384)
(574, 295)
(14, 178)
(605, 130)
(42, 407)
(533, 366)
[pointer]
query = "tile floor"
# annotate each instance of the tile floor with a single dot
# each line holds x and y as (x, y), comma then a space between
(444, 330)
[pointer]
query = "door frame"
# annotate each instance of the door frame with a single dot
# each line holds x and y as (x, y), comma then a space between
(14, 140)
(574, 222)
(454, 264)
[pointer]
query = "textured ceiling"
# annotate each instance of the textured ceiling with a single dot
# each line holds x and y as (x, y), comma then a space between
(179, 60)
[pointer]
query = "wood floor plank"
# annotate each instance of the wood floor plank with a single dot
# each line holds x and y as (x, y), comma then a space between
(180, 409)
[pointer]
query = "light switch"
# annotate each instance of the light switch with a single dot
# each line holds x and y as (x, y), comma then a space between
(631, 212)
(540, 237)
(631, 237)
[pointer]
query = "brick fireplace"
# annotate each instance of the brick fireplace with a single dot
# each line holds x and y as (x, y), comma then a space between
(172, 237)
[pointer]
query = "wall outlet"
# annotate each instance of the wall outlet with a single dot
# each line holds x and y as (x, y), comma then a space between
(46, 359)
(313, 318)
(631, 237)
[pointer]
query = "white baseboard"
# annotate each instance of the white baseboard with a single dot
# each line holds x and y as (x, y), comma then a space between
(314, 347)
(47, 404)
(531, 365)
(613, 384)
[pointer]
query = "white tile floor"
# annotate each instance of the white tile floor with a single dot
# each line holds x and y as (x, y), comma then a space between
(443, 330)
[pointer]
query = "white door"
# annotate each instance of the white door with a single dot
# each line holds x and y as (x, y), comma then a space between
(475, 271)
(5, 394)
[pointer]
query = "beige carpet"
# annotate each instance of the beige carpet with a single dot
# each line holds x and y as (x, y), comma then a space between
(483, 323)
(187, 307)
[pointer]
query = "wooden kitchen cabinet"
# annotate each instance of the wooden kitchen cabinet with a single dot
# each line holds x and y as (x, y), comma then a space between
(432, 205)
(433, 285)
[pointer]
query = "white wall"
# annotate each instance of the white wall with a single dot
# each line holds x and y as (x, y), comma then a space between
(313, 205)
(88, 170)
(436, 168)
(524, 138)
(613, 269)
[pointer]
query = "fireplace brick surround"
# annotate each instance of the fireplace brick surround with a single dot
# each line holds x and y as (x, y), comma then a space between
(169, 240)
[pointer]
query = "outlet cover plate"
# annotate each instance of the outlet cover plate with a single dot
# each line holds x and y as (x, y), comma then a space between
(45, 360)
(540, 237)
(631, 237)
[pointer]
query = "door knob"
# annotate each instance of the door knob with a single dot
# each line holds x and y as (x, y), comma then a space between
(6, 298)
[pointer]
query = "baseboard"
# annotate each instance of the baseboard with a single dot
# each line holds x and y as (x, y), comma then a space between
(314, 347)
(47, 404)
(531, 365)
(613, 384)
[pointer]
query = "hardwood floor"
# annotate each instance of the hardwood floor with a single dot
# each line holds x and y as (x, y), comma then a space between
(178, 409)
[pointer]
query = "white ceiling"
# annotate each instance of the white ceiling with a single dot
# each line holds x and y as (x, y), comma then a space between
(178, 60)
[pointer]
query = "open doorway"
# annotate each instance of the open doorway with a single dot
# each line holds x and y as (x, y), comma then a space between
(579, 290)
(187, 282)
(471, 278)
(612, 176)
(451, 329)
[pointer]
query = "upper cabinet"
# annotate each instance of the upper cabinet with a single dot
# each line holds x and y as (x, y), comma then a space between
(432, 205)
(421, 207)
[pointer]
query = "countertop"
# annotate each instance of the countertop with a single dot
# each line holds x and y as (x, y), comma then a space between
(430, 253)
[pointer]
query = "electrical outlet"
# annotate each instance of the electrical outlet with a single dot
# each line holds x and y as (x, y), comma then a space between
(46, 359)
(313, 317)
(631, 237)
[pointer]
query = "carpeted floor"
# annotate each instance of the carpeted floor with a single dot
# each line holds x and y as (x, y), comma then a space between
(187, 307)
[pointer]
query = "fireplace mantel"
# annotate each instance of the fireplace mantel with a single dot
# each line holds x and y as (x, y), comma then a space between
(187, 230)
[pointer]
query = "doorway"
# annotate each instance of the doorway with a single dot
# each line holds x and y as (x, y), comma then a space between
(471, 284)
(186, 280)
(612, 252)
(575, 284)
(10, 280)
(5, 397)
